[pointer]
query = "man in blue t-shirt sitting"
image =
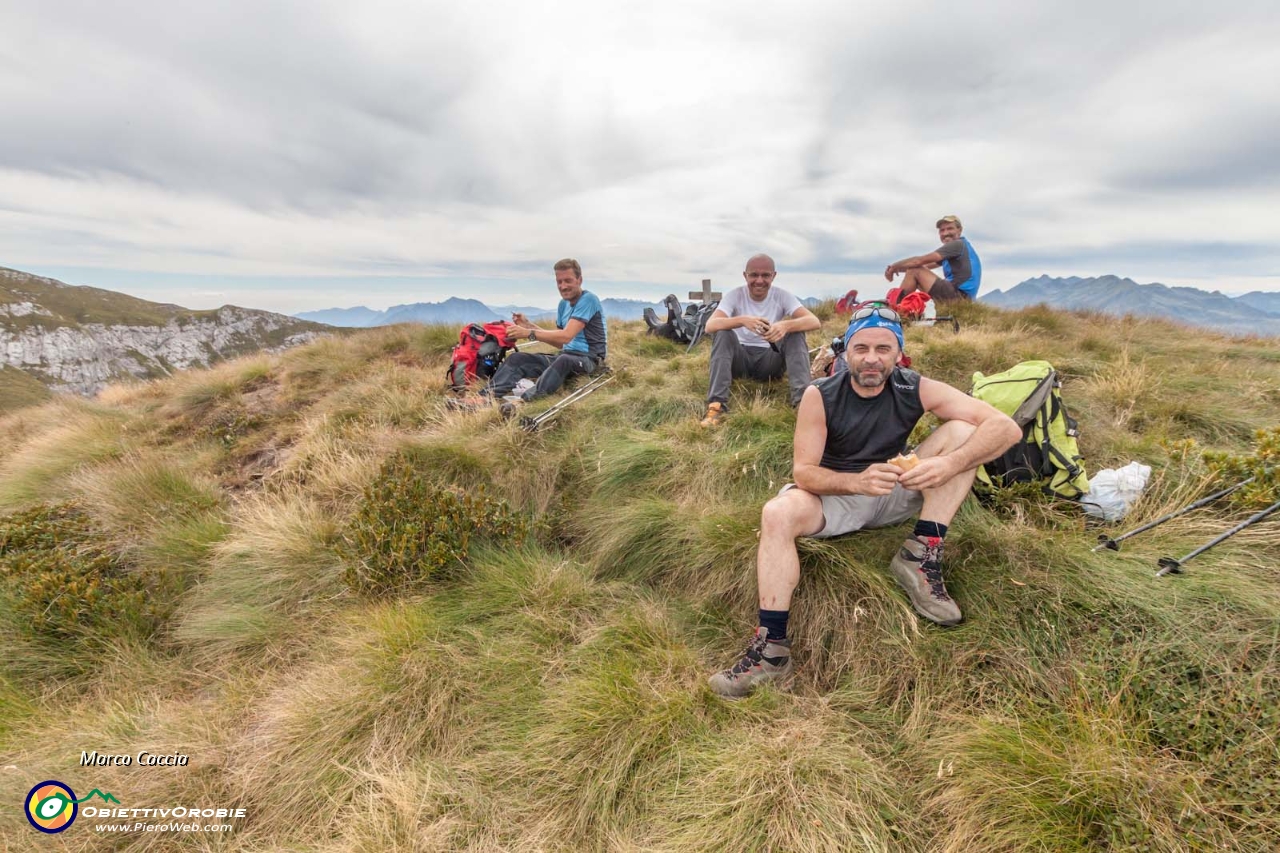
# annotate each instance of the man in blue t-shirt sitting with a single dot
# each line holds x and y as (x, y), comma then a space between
(959, 262)
(580, 335)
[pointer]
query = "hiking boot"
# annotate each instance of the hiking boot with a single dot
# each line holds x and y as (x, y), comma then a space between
(764, 660)
(509, 406)
(715, 415)
(915, 567)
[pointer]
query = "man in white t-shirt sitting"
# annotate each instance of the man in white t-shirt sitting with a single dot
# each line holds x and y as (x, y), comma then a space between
(759, 332)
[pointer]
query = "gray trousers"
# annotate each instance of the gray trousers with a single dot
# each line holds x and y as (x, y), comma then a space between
(550, 371)
(730, 360)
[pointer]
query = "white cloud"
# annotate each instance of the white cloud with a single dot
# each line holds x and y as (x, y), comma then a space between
(657, 142)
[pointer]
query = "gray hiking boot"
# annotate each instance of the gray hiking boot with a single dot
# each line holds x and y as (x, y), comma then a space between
(764, 660)
(923, 582)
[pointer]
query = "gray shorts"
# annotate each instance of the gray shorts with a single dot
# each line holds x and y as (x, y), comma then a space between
(847, 513)
(945, 290)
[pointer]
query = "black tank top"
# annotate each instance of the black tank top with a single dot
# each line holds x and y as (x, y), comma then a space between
(863, 430)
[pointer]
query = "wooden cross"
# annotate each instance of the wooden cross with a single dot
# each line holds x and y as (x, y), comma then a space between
(705, 294)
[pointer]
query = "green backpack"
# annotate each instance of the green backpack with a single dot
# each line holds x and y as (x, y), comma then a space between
(1029, 393)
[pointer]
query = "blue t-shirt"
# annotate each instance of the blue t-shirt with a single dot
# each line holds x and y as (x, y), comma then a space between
(961, 267)
(593, 338)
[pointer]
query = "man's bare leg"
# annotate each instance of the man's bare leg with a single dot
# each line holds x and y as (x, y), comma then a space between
(941, 503)
(792, 514)
(918, 564)
(917, 279)
(768, 655)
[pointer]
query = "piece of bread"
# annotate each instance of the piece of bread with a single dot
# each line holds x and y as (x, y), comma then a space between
(906, 463)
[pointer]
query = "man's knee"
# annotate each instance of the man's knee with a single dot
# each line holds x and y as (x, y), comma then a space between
(795, 342)
(724, 337)
(946, 438)
(792, 514)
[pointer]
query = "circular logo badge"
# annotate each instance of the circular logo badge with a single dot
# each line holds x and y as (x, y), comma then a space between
(51, 806)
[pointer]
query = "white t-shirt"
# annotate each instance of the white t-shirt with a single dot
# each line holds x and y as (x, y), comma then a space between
(778, 305)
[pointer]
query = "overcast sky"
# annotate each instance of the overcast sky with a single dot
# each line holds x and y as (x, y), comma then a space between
(301, 155)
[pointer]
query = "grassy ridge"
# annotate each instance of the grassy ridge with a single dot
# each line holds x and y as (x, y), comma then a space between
(552, 695)
(19, 390)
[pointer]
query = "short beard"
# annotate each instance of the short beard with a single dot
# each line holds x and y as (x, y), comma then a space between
(869, 381)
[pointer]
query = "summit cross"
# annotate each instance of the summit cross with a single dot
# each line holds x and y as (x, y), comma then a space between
(705, 294)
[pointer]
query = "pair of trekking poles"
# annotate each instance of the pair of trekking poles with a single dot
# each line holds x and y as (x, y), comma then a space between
(1171, 565)
(550, 413)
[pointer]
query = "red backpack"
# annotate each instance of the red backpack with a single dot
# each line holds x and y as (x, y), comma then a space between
(909, 307)
(845, 304)
(480, 349)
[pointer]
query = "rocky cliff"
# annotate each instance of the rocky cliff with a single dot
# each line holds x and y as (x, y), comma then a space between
(78, 339)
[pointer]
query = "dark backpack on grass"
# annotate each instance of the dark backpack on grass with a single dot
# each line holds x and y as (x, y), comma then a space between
(1030, 393)
(480, 349)
(682, 326)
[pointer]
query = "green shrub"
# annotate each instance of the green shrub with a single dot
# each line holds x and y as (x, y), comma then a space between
(410, 530)
(63, 589)
(1260, 465)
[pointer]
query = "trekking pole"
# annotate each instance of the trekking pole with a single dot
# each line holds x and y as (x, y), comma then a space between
(1168, 564)
(1114, 544)
(955, 324)
(531, 424)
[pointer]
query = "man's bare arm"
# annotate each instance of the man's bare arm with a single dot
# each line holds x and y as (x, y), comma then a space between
(994, 434)
(932, 259)
(555, 337)
(803, 320)
(807, 470)
(720, 321)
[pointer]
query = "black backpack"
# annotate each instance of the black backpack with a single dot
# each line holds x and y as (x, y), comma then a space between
(1030, 393)
(683, 327)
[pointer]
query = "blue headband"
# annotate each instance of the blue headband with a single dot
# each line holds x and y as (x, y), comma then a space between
(875, 321)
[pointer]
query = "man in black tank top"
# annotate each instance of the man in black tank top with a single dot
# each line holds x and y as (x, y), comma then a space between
(847, 428)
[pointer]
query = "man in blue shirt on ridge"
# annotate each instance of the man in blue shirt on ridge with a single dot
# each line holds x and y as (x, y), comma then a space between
(580, 334)
(959, 262)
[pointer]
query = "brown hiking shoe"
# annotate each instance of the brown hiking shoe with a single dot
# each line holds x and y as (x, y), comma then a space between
(916, 570)
(715, 415)
(764, 660)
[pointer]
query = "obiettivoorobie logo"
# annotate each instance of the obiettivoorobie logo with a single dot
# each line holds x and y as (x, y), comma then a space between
(52, 806)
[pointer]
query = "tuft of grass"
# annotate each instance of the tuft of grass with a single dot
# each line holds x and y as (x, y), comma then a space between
(276, 571)
(784, 779)
(1076, 778)
(152, 511)
(396, 687)
(604, 741)
(198, 391)
(53, 443)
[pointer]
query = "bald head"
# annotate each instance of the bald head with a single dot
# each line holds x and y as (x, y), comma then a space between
(759, 276)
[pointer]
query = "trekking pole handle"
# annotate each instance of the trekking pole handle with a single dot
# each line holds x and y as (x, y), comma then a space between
(1114, 544)
(1168, 564)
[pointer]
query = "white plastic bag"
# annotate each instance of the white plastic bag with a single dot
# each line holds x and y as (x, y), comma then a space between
(1112, 492)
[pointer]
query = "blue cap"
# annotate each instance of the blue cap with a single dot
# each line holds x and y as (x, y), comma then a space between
(875, 321)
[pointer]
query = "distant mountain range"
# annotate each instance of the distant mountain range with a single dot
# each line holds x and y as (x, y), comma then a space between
(1252, 313)
(456, 311)
(460, 311)
(64, 338)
